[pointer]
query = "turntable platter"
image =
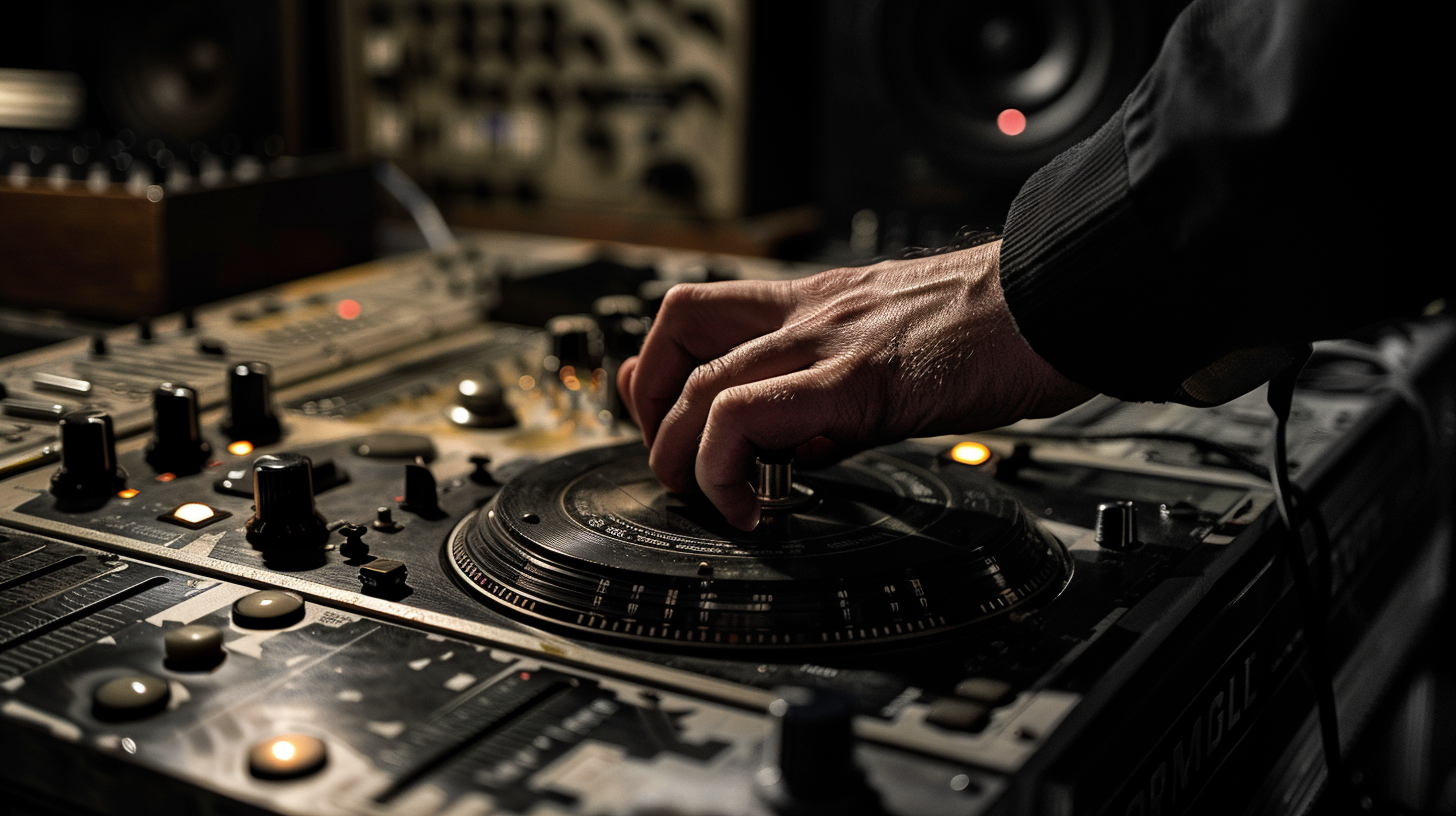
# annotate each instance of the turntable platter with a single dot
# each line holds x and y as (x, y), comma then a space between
(883, 548)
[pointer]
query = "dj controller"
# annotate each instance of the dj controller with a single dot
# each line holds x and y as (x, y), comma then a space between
(372, 543)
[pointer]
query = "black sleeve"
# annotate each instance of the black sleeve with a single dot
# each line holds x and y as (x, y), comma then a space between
(1259, 188)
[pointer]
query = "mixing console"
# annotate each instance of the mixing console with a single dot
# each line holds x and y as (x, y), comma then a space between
(369, 543)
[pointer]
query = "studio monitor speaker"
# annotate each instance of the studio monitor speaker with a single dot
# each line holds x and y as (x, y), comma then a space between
(936, 111)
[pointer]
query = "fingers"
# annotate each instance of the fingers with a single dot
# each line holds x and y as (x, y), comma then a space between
(676, 444)
(696, 323)
(784, 412)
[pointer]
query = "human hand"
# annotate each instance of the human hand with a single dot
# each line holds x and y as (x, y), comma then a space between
(830, 365)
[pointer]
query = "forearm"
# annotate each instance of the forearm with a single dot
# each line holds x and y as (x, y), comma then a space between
(1214, 212)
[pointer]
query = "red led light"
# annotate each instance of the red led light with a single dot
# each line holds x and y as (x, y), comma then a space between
(348, 309)
(525, 675)
(1011, 121)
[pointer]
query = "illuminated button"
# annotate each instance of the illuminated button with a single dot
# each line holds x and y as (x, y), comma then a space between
(194, 515)
(193, 646)
(240, 448)
(287, 756)
(268, 609)
(970, 453)
(131, 697)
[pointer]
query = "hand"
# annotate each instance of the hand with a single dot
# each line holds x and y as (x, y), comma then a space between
(831, 364)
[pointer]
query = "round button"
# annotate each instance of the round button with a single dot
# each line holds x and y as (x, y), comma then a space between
(194, 645)
(287, 756)
(268, 609)
(131, 697)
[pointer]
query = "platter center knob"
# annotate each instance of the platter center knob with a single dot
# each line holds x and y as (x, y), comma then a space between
(774, 481)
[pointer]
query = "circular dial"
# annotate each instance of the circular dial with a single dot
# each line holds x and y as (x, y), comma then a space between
(885, 548)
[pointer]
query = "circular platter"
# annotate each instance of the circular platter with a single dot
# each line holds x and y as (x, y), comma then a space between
(885, 549)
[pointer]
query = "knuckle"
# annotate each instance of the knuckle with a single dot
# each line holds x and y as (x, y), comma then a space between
(732, 407)
(706, 379)
(679, 297)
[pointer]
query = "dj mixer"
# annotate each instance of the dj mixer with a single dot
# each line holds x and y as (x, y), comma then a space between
(373, 543)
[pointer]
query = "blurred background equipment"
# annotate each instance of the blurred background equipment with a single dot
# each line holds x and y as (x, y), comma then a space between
(541, 109)
(157, 155)
(936, 111)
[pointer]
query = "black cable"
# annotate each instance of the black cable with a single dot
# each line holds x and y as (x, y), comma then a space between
(1315, 600)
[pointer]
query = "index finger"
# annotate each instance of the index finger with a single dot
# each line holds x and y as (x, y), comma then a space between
(698, 322)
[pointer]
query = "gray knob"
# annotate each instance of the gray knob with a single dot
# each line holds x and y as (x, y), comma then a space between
(176, 445)
(774, 478)
(1116, 525)
(89, 472)
(283, 513)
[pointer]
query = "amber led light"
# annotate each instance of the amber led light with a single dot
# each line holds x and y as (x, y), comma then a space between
(970, 453)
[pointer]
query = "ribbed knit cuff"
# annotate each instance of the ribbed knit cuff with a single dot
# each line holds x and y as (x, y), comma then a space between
(1074, 248)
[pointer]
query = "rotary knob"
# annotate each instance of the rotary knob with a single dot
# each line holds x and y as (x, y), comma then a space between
(250, 405)
(575, 342)
(89, 472)
(1116, 525)
(176, 445)
(620, 319)
(808, 761)
(284, 515)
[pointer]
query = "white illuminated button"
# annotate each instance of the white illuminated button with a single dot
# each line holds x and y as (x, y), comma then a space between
(287, 756)
(194, 512)
(194, 515)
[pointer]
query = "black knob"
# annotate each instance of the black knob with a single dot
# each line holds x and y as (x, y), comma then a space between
(808, 762)
(176, 445)
(250, 405)
(99, 346)
(88, 473)
(353, 546)
(575, 342)
(1116, 525)
(619, 318)
(283, 511)
(481, 473)
(481, 403)
(420, 494)
(144, 330)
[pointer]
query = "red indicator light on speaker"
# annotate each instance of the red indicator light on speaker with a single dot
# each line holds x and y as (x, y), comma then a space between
(349, 309)
(1011, 121)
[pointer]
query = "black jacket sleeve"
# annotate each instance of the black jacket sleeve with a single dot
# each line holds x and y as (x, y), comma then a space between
(1261, 187)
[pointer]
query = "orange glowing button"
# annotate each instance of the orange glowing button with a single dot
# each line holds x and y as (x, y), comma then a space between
(970, 453)
(194, 515)
(241, 448)
(129, 493)
(166, 477)
(348, 309)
